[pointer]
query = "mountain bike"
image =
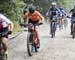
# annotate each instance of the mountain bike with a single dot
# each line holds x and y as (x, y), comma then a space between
(32, 40)
(53, 27)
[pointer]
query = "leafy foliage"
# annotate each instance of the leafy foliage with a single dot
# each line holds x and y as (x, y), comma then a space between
(13, 9)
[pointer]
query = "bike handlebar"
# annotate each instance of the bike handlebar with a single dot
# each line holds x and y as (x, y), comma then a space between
(39, 23)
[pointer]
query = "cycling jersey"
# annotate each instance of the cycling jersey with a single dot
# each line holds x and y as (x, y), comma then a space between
(63, 12)
(34, 16)
(54, 11)
(5, 21)
(73, 12)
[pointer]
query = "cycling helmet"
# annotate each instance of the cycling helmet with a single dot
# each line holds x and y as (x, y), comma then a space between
(53, 3)
(61, 8)
(31, 9)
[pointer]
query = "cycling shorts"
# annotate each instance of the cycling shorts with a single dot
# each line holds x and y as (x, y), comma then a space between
(33, 22)
(3, 31)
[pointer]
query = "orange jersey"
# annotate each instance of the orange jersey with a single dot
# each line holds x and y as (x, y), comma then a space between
(34, 16)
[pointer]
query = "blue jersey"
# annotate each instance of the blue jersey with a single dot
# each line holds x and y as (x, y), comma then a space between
(73, 12)
(54, 11)
(63, 12)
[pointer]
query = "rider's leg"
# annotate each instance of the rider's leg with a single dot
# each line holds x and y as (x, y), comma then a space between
(4, 42)
(62, 22)
(4, 38)
(63, 17)
(37, 35)
(36, 30)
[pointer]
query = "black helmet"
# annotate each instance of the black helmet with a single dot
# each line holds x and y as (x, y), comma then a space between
(31, 9)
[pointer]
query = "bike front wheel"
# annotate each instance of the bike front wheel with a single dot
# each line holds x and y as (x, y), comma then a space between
(53, 29)
(30, 44)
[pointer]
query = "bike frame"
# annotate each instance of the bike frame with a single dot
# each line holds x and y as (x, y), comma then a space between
(32, 39)
(33, 29)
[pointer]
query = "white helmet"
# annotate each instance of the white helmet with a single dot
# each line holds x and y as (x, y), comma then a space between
(53, 3)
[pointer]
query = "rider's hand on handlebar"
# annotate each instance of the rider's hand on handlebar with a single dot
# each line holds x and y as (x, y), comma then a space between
(10, 32)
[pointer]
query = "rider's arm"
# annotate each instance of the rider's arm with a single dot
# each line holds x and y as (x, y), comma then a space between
(47, 14)
(49, 11)
(10, 26)
(41, 17)
(69, 13)
(24, 16)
